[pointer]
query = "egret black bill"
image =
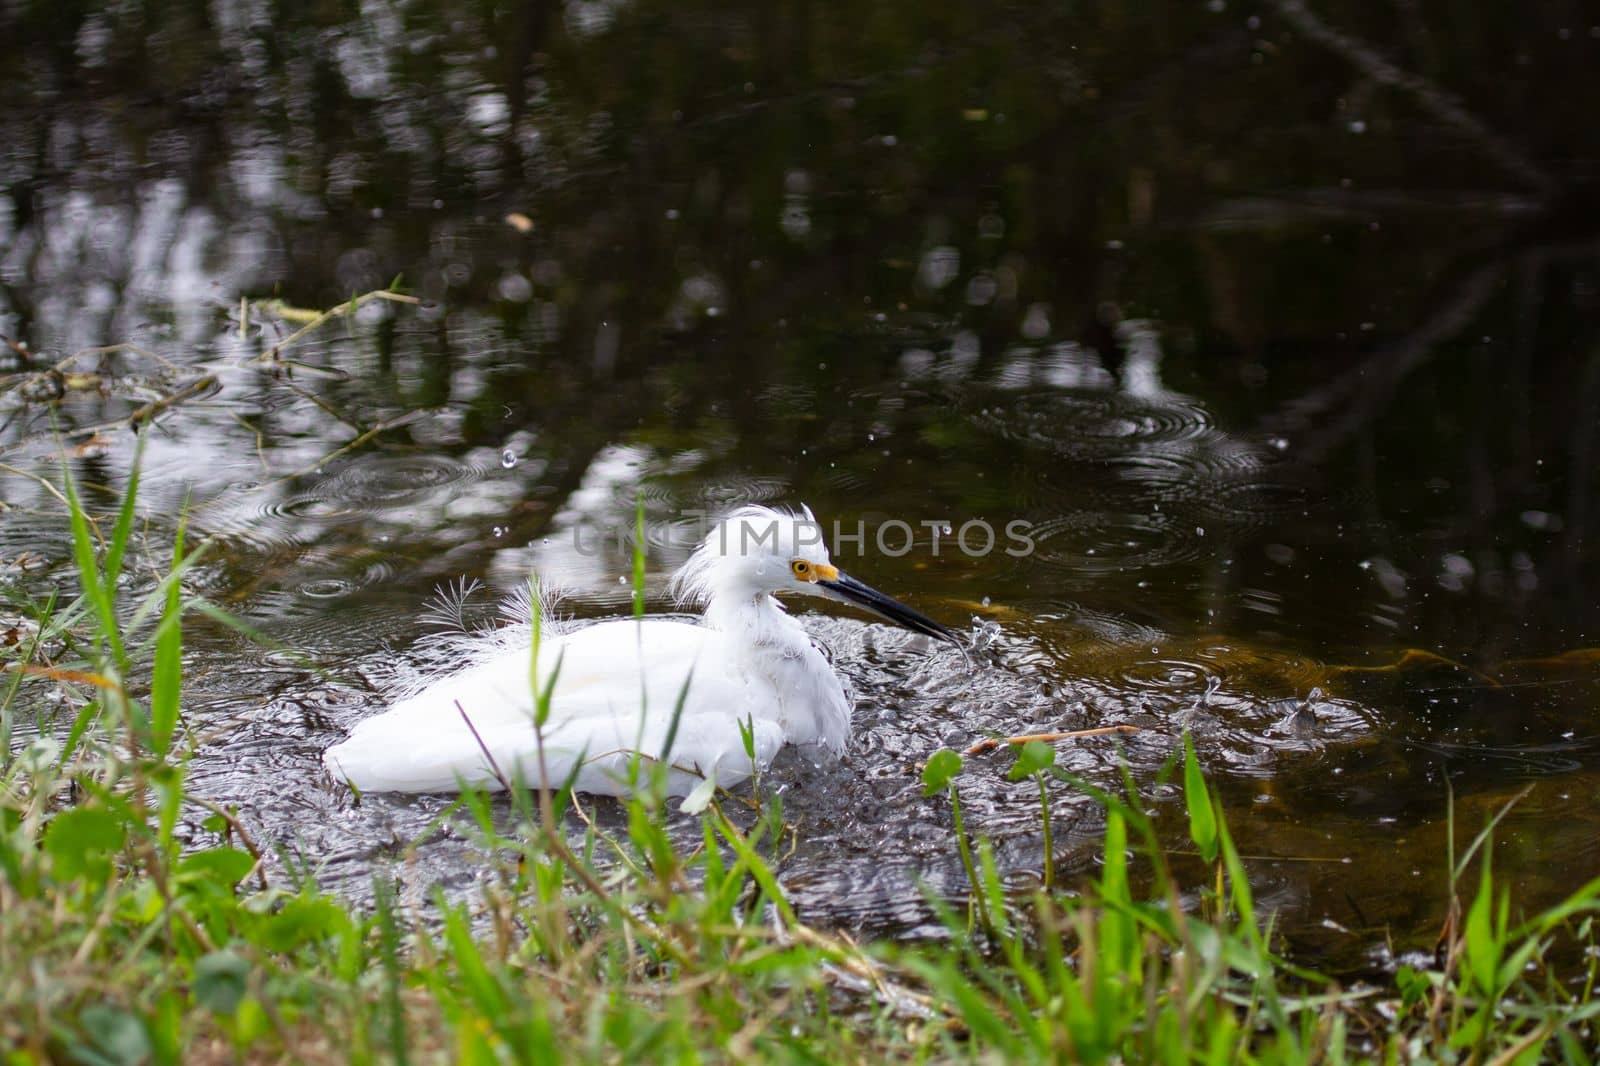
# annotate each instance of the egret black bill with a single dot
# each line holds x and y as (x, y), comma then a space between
(850, 590)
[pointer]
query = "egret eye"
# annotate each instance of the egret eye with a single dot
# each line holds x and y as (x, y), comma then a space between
(802, 569)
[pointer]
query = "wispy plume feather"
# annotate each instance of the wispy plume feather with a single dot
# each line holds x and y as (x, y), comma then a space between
(730, 536)
(461, 634)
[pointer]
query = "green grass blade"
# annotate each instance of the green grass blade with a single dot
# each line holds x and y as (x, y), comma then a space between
(546, 695)
(1482, 947)
(1117, 931)
(245, 629)
(167, 672)
(638, 557)
(154, 602)
(677, 716)
(100, 597)
(757, 866)
(389, 960)
(123, 530)
(1202, 815)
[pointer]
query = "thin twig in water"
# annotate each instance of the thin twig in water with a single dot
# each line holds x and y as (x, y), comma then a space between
(381, 427)
(61, 365)
(238, 830)
(51, 489)
(272, 353)
(261, 452)
(1438, 103)
(150, 410)
(113, 349)
(494, 767)
(141, 415)
(990, 743)
(331, 410)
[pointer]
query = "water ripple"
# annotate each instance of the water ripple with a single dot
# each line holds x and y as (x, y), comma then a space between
(1098, 541)
(1093, 425)
(378, 483)
(732, 491)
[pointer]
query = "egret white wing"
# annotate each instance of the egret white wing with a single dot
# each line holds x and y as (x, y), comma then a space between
(616, 691)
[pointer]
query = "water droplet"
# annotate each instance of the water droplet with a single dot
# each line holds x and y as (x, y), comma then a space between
(500, 531)
(508, 458)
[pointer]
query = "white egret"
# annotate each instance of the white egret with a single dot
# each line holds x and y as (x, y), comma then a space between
(618, 683)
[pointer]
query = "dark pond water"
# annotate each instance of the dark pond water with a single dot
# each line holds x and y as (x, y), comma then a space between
(1279, 325)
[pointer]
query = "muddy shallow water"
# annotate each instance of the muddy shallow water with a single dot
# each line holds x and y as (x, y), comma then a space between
(1288, 369)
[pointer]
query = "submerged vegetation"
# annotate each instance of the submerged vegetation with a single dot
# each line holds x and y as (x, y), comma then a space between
(123, 941)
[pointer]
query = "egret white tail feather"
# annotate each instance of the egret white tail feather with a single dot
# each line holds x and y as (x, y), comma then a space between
(620, 681)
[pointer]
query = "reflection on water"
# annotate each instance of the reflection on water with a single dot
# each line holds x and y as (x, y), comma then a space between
(1286, 384)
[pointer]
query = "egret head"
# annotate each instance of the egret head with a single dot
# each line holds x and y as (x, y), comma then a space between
(758, 551)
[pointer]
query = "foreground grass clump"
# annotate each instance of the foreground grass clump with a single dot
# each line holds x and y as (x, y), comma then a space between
(119, 943)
